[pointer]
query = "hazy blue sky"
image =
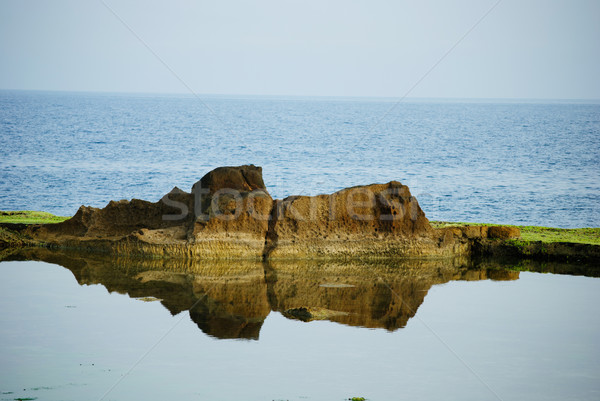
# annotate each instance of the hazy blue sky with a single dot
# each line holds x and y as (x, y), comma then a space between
(522, 49)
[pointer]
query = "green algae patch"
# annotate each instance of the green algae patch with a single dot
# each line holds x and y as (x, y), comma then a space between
(549, 234)
(29, 217)
(544, 234)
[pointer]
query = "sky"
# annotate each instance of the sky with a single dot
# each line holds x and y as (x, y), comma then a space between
(531, 49)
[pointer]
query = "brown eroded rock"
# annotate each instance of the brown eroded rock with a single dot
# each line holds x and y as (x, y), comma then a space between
(232, 213)
(243, 178)
(475, 231)
(365, 221)
(118, 219)
(503, 232)
(225, 216)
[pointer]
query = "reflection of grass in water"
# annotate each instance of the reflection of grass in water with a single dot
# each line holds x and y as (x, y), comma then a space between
(26, 399)
(544, 234)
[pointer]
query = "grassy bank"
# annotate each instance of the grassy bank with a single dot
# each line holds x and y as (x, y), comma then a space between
(528, 233)
(544, 234)
(29, 217)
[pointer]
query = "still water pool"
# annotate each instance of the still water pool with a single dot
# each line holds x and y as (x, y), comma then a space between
(76, 327)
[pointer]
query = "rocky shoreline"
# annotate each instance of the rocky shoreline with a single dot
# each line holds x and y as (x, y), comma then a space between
(229, 214)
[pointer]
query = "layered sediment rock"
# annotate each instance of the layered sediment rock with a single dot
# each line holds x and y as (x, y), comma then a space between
(363, 221)
(230, 214)
(225, 216)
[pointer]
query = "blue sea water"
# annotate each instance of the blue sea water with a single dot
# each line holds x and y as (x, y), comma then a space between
(484, 161)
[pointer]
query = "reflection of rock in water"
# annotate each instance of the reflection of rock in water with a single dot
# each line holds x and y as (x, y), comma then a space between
(212, 318)
(225, 301)
(371, 295)
(232, 299)
(234, 307)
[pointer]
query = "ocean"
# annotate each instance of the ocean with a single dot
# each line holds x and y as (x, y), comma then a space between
(511, 162)
(93, 327)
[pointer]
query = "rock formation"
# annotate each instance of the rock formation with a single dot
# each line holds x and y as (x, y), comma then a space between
(372, 220)
(229, 214)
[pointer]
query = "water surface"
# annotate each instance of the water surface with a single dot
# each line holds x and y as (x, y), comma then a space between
(83, 328)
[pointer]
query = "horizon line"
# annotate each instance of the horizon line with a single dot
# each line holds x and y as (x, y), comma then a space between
(389, 98)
